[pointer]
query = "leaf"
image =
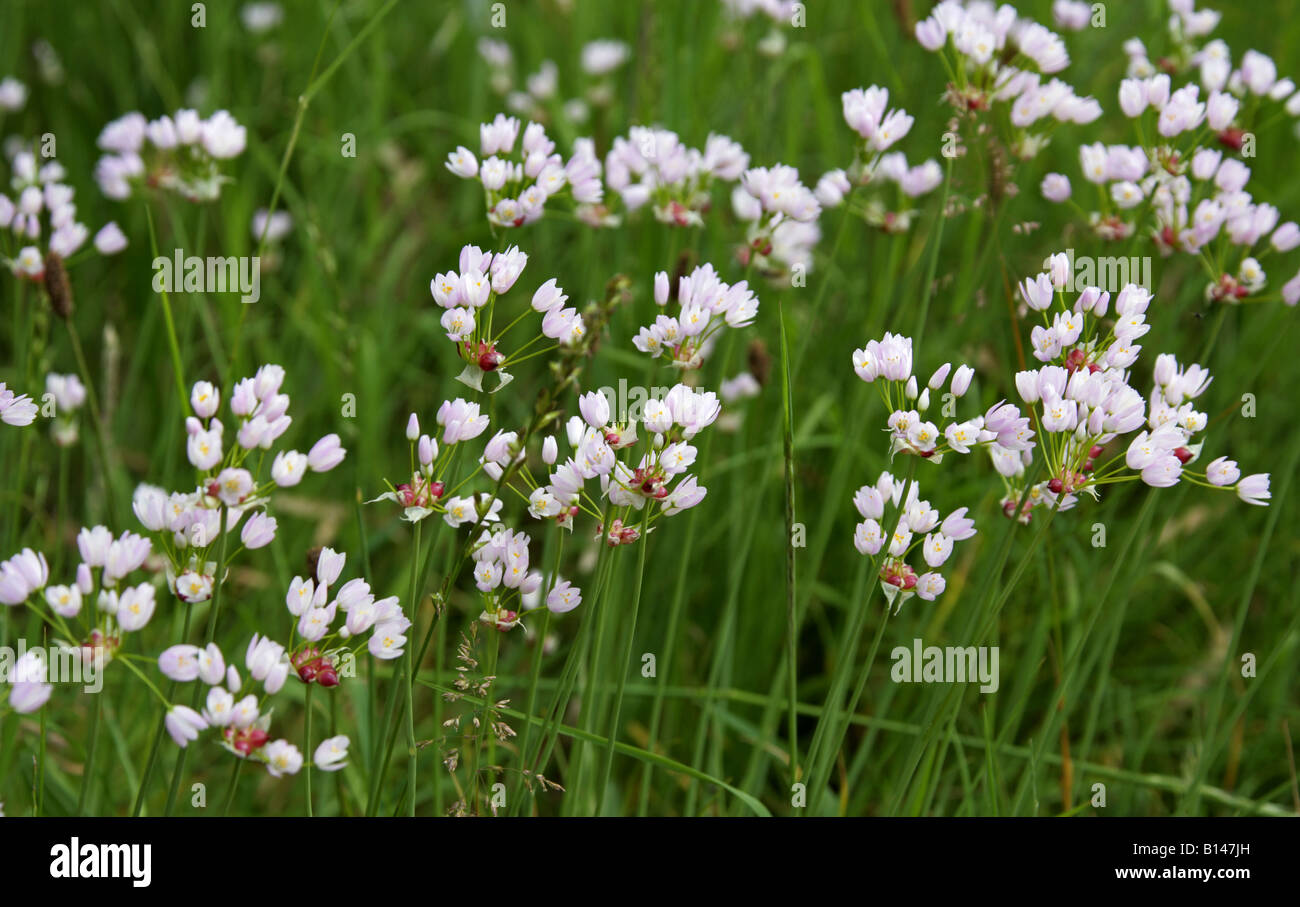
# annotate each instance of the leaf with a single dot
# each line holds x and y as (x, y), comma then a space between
(625, 748)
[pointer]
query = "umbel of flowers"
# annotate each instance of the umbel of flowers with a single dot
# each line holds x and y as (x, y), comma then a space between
(706, 306)
(42, 218)
(518, 184)
(887, 363)
(1082, 400)
(188, 524)
(904, 527)
(469, 297)
(181, 153)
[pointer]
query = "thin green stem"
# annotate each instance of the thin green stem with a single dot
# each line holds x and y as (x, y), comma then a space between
(626, 662)
(791, 633)
(306, 748)
(412, 754)
(218, 586)
(88, 770)
(234, 786)
(97, 420)
(178, 370)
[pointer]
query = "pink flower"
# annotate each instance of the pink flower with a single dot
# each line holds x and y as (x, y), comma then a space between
(184, 724)
(1254, 489)
(564, 597)
(1055, 187)
(325, 454)
(258, 531)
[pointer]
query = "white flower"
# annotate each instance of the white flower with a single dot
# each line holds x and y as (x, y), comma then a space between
(222, 137)
(282, 758)
(332, 754)
(184, 724)
(604, 56)
(135, 607)
(13, 94)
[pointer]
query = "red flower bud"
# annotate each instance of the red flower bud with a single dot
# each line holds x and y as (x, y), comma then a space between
(488, 357)
(1232, 138)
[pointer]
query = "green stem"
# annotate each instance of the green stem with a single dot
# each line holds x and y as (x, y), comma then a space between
(234, 785)
(577, 652)
(934, 258)
(97, 420)
(381, 769)
(674, 618)
(88, 770)
(306, 749)
(218, 585)
(40, 766)
(792, 660)
(160, 730)
(411, 752)
(829, 727)
(485, 733)
(541, 643)
(177, 369)
(626, 661)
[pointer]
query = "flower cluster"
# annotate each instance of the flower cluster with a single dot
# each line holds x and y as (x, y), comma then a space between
(424, 494)
(1255, 79)
(865, 111)
(13, 94)
(1183, 194)
(179, 153)
(916, 524)
(776, 12)
(997, 56)
(653, 166)
(630, 482)
(509, 587)
(29, 686)
(42, 218)
(603, 56)
(706, 306)
(188, 524)
(106, 562)
(261, 17)
(500, 62)
(243, 724)
(768, 197)
(23, 574)
(516, 187)
(1082, 400)
(470, 297)
(887, 363)
(599, 59)
(315, 659)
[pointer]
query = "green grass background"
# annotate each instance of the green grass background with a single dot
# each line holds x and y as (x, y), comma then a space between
(1148, 630)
